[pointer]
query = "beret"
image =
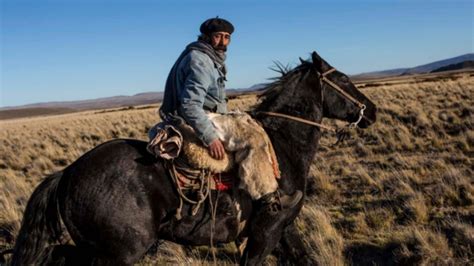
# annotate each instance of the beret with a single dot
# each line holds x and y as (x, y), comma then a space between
(216, 24)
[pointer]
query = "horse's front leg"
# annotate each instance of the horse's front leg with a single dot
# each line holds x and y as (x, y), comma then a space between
(265, 233)
(293, 250)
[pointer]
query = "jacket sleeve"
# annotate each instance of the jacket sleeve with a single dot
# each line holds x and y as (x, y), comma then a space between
(197, 79)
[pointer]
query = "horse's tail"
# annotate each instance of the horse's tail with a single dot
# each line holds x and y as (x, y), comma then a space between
(41, 223)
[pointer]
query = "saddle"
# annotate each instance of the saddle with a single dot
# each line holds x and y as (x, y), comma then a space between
(188, 160)
(195, 172)
(190, 165)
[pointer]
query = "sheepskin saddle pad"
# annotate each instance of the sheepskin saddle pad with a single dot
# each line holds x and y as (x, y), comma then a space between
(179, 142)
(197, 155)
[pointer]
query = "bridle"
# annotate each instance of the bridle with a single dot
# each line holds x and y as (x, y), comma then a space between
(322, 78)
(362, 107)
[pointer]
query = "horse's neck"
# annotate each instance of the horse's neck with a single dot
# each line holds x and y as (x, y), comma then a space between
(295, 143)
(295, 148)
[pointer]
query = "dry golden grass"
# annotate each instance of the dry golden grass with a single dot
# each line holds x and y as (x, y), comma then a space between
(400, 191)
(321, 237)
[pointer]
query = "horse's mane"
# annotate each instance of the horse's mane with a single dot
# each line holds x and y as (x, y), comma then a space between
(287, 78)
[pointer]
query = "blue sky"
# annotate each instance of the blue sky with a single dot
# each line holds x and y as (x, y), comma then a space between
(83, 49)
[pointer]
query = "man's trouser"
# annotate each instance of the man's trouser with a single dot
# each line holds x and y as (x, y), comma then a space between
(258, 166)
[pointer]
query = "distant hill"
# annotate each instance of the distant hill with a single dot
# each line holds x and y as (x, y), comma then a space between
(462, 65)
(112, 102)
(51, 108)
(108, 102)
(426, 68)
(48, 108)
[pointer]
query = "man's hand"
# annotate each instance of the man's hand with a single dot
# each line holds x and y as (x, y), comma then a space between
(216, 149)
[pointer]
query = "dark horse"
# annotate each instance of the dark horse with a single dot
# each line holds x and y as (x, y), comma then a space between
(117, 200)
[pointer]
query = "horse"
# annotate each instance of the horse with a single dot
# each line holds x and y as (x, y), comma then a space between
(117, 200)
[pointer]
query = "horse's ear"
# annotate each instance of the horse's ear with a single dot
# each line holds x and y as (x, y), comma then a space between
(303, 61)
(319, 63)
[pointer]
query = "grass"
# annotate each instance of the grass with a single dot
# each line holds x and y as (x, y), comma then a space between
(399, 192)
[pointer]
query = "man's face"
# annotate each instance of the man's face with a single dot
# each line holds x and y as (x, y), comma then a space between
(220, 40)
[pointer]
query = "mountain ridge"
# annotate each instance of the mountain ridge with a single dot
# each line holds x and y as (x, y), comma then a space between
(143, 98)
(420, 69)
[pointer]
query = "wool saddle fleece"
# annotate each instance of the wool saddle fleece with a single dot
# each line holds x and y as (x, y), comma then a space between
(245, 141)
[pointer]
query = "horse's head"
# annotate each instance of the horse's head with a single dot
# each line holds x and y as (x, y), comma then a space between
(314, 90)
(341, 99)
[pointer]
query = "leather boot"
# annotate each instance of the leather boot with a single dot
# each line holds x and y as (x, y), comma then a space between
(277, 201)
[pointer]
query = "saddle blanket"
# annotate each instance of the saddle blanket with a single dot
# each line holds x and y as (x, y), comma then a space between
(248, 149)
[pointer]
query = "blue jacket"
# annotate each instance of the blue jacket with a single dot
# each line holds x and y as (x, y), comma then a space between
(198, 85)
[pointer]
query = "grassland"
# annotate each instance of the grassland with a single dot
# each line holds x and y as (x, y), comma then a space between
(399, 192)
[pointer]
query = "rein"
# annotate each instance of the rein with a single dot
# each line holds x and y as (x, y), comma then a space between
(301, 120)
(333, 85)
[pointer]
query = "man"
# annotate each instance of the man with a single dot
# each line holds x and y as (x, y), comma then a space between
(195, 87)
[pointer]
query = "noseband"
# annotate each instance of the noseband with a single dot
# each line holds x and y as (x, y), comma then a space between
(323, 78)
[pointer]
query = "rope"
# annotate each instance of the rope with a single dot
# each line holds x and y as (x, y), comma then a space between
(203, 191)
(213, 209)
(302, 120)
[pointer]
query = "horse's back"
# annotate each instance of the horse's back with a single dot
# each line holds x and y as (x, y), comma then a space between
(114, 197)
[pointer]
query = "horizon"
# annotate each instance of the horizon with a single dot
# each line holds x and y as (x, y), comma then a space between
(55, 51)
(161, 91)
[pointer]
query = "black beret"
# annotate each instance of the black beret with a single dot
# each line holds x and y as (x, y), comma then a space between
(216, 24)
